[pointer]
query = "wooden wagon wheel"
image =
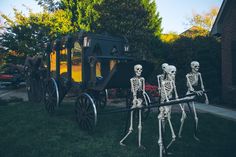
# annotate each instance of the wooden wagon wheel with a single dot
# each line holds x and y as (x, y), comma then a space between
(86, 112)
(51, 96)
(102, 99)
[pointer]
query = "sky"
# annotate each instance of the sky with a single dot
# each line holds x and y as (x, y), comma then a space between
(174, 13)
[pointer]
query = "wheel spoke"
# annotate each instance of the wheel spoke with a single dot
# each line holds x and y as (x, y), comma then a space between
(50, 99)
(85, 112)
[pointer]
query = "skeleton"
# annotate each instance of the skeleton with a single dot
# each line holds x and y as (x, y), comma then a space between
(160, 77)
(192, 84)
(168, 88)
(138, 91)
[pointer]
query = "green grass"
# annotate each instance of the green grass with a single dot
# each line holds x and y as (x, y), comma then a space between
(26, 130)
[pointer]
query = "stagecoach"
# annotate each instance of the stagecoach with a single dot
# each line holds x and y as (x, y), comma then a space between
(89, 64)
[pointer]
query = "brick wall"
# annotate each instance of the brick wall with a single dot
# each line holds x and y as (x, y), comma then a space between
(228, 35)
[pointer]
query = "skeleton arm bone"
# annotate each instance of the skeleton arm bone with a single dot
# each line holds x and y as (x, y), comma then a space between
(175, 90)
(202, 86)
(159, 82)
(143, 85)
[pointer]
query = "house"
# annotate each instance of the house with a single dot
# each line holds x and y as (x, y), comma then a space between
(225, 28)
(194, 31)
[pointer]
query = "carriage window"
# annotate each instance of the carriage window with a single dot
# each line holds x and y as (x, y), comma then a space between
(53, 63)
(76, 63)
(112, 64)
(63, 63)
(98, 69)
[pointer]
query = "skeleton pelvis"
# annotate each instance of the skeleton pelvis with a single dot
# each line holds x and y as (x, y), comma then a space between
(137, 103)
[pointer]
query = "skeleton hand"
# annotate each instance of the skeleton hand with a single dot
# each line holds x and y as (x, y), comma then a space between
(137, 103)
(192, 90)
(199, 93)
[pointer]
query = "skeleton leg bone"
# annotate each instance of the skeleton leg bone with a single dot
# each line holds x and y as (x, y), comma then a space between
(130, 129)
(196, 121)
(171, 128)
(160, 140)
(140, 130)
(182, 119)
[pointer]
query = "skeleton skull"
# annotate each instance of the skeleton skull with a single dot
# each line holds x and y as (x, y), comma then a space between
(171, 71)
(164, 66)
(138, 69)
(195, 66)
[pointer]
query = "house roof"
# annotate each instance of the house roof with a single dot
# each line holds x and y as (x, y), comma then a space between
(192, 29)
(216, 28)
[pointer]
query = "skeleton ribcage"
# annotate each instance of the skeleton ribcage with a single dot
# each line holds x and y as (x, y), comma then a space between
(166, 90)
(137, 84)
(193, 79)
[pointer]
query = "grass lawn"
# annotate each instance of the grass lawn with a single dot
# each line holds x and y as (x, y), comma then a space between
(26, 130)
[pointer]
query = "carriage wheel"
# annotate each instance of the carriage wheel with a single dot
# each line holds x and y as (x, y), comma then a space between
(51, 97)
(86, 112)
(102, 99)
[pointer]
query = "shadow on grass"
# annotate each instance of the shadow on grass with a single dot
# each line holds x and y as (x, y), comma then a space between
(27, 130)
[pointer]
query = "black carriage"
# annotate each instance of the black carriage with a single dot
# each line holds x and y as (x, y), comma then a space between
(88, 64)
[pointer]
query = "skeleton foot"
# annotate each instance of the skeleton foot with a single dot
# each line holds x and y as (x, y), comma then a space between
(122, 144)
(171, 142)
(142, 147)
(196, 138)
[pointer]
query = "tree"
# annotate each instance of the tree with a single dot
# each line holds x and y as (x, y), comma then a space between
(137, 20)
(204, 20)
(169, 37)
(82, 14)
(26, 35)
(49, 5)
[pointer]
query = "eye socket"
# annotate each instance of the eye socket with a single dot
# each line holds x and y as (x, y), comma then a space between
(196, 66)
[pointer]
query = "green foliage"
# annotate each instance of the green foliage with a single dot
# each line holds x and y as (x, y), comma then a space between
(137, 20)
(50, 5)
(26, 35)
(81, 12)
(195, 31)
(170, 37)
